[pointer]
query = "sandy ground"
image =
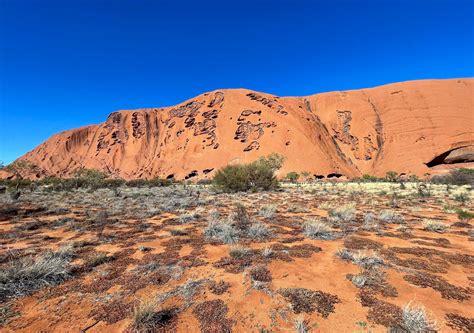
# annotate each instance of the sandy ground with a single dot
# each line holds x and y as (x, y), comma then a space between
(132, 244)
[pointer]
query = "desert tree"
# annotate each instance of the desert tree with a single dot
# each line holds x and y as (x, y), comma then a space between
(18, 168)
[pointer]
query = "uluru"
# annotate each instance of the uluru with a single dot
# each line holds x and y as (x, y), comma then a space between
(415, 127)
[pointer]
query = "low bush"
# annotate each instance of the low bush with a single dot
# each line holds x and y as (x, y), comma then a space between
(148, 317)
(221, 231)
(464, 214)
(239, 251)
(256, 176)
(84, 178)
(359, 280)
(267, 252)
(187, 217)
(462, 197)
(344, 213)
(296, 208)
(370, 222)
(292, 176)
(25, 275)
(366, 178)
(416, 319)
(259, 232)
(388, 216)
(435, 226)
(268, 211)
(345, 254)
(240, 218)
(461, 176)
(361, 258)
(318, 230)
(301, 325)
(367, 260)
(391, 176)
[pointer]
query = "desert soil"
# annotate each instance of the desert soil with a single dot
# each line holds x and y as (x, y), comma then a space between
(130, 244)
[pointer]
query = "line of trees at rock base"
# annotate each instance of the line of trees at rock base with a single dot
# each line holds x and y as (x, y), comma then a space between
(259, 175)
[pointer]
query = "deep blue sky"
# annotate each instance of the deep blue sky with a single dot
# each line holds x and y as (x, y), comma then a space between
(68, 63)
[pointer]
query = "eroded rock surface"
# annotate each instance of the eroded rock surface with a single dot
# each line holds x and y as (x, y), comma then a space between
(413, 127)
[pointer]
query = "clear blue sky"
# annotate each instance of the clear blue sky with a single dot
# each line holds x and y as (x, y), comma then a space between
(69, 63)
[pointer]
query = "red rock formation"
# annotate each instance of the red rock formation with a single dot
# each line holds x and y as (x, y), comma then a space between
(411, 127)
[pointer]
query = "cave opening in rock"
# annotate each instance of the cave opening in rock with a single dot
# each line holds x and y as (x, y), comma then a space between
(438, 159)
(206, 171)
(334, 175)
(193, 173)
(457, 155)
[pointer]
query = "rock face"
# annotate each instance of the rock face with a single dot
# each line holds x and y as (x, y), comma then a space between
(412, 127)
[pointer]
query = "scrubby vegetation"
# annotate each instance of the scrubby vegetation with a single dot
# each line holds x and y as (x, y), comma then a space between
(148, 317)
(256, 176)
(97, 252)
(435, 226)
(416, 319)
(315, 229)
(292, 176)
(461, 176)
(22, 276)
(82, 178)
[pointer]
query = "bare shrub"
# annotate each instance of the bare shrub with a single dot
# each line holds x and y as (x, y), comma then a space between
(23, 276)
(239, 251)
(259, 232)
(315, 229)
(370, 222)
(388, 216)
(295, 208)
(345, 254)
(267, 252)
(301, 325)
(221, 231)
(344, 214)
(367, 260)
(435, 226)
(359, 280)
(268, 211)
(147, 316)
(416, 319)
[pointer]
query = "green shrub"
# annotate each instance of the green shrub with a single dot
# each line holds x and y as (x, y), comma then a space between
(462, 176)
(464, 214)
(83, 178)
(369, 178)
(204, 181)
(424, 191)
(16, 183)
(155, 182)
(90, 174)
(462, 197)
(19, 168)
(391, 176)
(112, 183)
(466, 171)
(292, 176)
(413, 178)
(256, 176)
(136, 183)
